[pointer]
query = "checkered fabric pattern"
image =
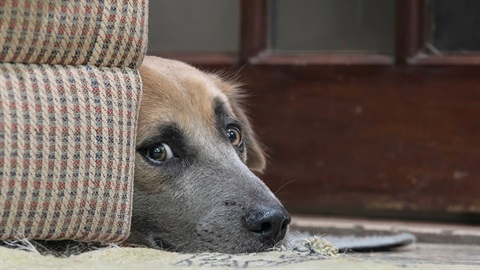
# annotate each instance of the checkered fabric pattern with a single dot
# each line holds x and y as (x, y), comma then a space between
(108, 33)
(67, 142)
(69, 100)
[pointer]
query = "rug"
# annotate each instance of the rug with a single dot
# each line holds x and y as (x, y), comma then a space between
(310, 255)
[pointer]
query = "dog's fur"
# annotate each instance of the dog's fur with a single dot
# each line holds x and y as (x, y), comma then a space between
(205, 197)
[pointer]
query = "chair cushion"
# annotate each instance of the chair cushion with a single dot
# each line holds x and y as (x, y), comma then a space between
(108, 33)
(67, 147)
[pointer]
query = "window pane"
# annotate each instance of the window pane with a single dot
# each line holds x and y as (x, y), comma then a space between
(332, 25)
(454, 26)
(193, 26)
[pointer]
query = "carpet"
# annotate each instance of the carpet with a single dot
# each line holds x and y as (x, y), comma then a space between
(314, 254)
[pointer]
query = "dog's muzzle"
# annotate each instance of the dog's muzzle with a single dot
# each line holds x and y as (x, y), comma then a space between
(270, 224)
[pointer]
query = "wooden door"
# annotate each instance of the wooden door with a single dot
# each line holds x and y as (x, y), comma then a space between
(379, 123)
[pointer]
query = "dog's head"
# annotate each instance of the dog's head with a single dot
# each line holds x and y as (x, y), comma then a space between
(194, 189)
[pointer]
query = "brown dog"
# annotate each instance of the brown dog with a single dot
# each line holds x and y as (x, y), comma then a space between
(194, 189)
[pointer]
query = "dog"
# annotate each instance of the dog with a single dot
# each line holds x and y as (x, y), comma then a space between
(194, 189)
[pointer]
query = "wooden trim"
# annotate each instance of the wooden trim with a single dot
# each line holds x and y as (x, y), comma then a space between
(253, 28)
(424, 232)
(194, 58)
(410, 29)
(423, 59)
(321, 59)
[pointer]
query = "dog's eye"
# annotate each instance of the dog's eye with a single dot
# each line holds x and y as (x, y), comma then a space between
(234, 135)
(159, 152)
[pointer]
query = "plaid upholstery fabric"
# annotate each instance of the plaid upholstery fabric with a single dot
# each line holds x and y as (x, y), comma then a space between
(109, 33)
(67, 144)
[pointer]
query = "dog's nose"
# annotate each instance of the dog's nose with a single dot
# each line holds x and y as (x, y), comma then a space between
(270, 223)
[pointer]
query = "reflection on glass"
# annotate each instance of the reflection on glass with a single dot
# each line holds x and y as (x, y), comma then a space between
(193, 26)
(332, 25)
(454, 26)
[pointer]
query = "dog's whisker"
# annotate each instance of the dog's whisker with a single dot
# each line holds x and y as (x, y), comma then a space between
(284, 185)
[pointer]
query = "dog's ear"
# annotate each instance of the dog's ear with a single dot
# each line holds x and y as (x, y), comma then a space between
(256, 160)
(256, 157)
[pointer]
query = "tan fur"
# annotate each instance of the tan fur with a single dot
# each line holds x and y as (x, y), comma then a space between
(191, 101)
(256, 160)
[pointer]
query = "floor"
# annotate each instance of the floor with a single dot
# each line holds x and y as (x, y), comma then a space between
(423, 253)
(436, 243)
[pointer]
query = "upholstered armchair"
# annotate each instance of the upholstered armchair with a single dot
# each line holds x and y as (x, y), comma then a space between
(69, 98)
